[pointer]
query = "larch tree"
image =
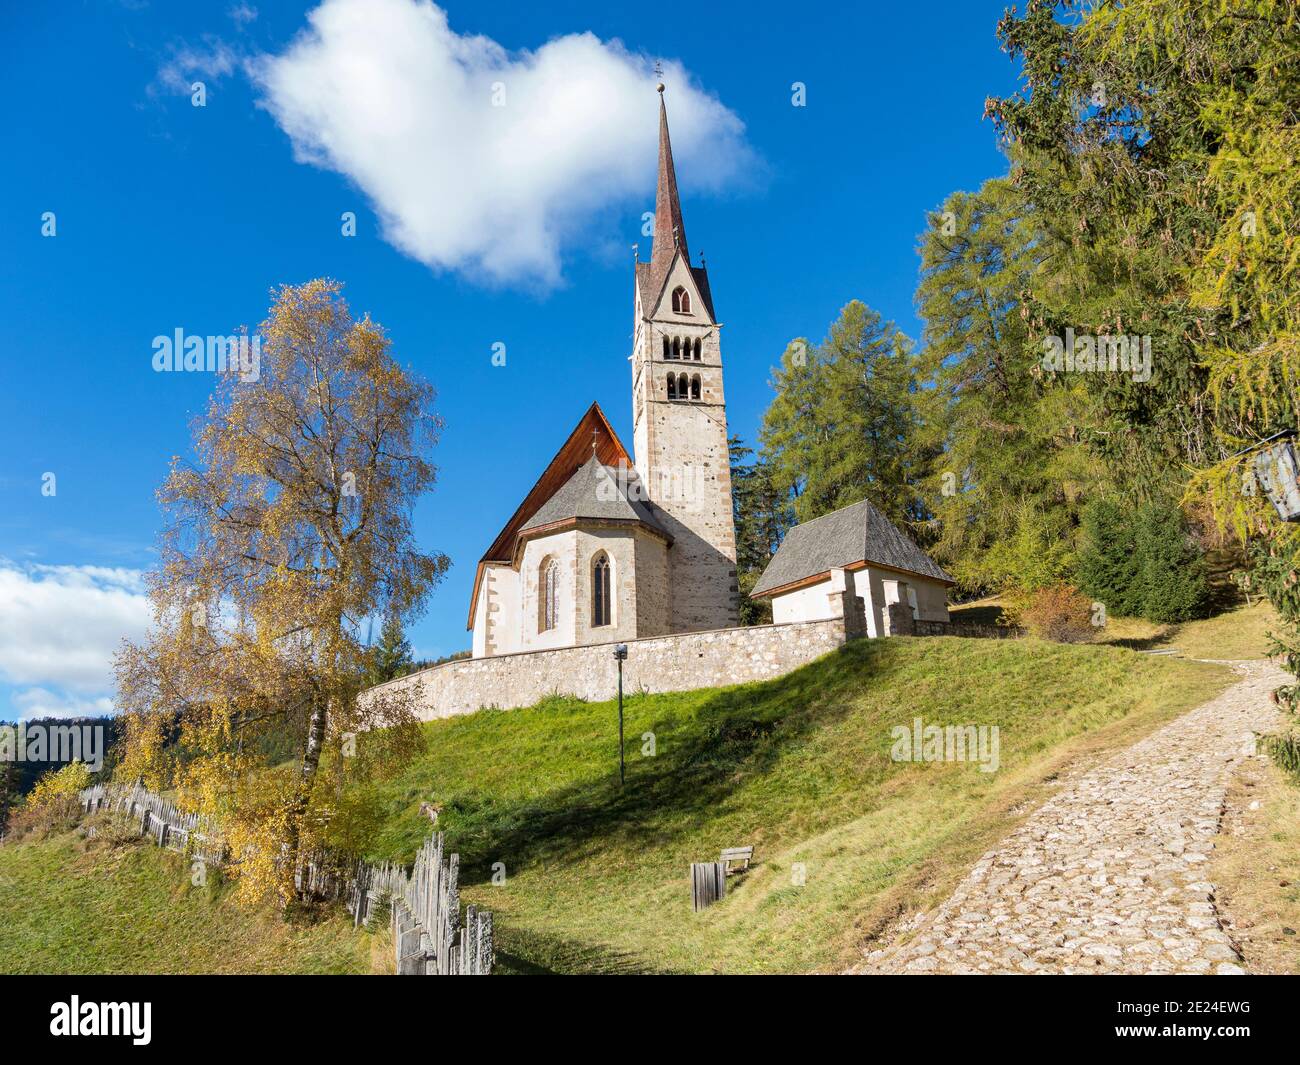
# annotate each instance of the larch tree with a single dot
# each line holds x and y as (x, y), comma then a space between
(290, 527)
(1012, 438)
(1163, 136)
(762, 516)
(843, 425)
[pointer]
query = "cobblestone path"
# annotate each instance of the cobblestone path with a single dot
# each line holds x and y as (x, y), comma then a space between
(1109, 875)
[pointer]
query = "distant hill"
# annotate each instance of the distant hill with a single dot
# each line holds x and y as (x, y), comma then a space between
(28, 771)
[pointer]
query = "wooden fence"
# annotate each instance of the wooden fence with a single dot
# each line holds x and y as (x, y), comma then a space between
(170, 827)
(428, 937)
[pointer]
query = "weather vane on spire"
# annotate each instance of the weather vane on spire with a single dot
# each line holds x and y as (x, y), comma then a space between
(659, 74)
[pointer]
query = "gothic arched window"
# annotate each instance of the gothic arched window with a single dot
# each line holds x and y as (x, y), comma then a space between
(601, 607)
(681, 300)
(697, 349)
(677, 347)
(668, 348)
(672, 387)
(548, 595)
(683, 387)
(695, 387)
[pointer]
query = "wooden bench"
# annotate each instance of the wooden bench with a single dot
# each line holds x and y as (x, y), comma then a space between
(736, 854)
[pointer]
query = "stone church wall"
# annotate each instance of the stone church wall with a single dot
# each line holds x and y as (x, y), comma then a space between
(659, 664)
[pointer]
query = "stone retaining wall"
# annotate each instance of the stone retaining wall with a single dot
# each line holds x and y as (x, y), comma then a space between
(658, 664)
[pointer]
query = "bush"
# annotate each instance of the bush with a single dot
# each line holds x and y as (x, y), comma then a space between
(53, 804)
(1143, 562)
(1285, 752)
(1058, 613)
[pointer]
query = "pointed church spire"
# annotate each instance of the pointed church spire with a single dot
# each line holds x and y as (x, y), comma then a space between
(670, 232)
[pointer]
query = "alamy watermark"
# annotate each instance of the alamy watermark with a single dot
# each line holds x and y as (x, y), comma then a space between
(53, 743)
(133, 1020)
(179, 353)
(681, 484)
(948, 743)
(1084, 353)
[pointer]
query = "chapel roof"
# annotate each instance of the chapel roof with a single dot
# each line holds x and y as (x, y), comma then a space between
(597, 492)
(855, 534)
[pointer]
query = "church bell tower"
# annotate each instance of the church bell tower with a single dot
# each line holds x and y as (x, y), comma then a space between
(679, 415)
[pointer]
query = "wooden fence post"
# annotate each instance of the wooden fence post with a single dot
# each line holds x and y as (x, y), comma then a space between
(708, 884)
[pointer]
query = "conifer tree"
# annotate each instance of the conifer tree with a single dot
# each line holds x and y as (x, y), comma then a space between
(1010, 448)
(844, 423)
(762, 517)
(392, 653)
(1108, 559)
(8, 789)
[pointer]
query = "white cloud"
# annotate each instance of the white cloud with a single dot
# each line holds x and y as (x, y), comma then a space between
(60, 626)
(386, 93)
(242, 14)
(42, 703)
(211, 61)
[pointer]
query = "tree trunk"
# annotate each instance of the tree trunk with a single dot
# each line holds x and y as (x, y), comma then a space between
(306, 779)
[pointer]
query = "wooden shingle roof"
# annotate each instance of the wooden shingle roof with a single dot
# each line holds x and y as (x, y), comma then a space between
(844, 539)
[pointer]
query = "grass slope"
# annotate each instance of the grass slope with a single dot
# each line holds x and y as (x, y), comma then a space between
(596, 876)
(72, 906)
(1239, 632)
(1256, 863)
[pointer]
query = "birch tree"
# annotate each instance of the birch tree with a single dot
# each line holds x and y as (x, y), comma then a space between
(286, 530)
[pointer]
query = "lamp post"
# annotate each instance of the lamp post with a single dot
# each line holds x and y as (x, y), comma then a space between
(620, 654)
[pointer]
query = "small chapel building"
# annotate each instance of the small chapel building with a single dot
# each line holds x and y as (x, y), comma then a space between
(857, 564)
(611, 546)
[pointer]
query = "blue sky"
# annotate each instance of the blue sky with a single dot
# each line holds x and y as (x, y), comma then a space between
(473, 228)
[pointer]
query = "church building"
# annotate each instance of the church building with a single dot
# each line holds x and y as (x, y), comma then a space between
(608, 546)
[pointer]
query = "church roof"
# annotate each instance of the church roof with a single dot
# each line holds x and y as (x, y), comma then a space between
(670, 230)
(600, 493)
(592, 434)
(844, 539)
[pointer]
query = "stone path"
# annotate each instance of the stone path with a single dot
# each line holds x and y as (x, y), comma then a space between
(1109, 875)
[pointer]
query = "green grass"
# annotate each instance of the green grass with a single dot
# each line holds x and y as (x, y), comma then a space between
(1237, 632)
(1256, 867)
(104, 906)
(596, 876)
